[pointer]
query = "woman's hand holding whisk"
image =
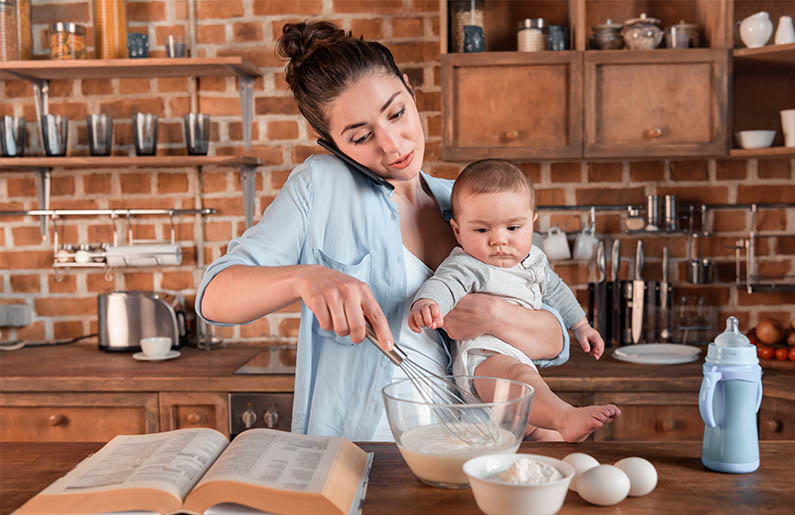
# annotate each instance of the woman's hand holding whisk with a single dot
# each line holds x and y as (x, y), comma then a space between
(342, 303)
(425, 313)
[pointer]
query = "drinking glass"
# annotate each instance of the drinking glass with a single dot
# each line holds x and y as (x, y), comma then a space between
(197, 133)
(145, 133)
(175, 46)
(55, 132)
(100, 134)
(12, 136)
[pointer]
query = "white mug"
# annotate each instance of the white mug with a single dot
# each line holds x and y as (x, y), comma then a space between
(785, 33)
(788, 126)
(156, 346)
(585, 244)
(556, 247)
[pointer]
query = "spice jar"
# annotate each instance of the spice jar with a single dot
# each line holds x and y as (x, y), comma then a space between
(530, 36)
(67, 41)
(9, 43)
(467, 26)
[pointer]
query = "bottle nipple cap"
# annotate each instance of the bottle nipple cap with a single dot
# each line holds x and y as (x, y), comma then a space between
(732, 337)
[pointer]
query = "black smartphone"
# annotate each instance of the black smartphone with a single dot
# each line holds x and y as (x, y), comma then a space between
(331, 147)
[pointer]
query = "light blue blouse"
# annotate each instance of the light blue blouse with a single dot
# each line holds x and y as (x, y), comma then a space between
(329, 215)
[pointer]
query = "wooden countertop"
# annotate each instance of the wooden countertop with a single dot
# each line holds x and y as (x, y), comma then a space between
(684, 486)
(85, 368)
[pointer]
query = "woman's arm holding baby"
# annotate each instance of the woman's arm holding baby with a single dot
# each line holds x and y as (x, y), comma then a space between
(537, 333)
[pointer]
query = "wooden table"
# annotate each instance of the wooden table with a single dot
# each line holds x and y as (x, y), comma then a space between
(685, 486)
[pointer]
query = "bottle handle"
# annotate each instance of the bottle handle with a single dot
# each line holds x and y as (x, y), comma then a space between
(706, 395)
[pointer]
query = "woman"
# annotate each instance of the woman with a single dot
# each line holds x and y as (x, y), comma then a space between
(355, 249)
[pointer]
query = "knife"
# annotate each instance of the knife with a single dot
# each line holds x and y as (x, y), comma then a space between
(602, 310)
(638, 287)
(615, 301)
(665, 298)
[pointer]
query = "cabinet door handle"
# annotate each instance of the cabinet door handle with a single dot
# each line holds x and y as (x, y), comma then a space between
(511, 135)
(773, 425)
(653, 133)
(668, 425)
(193, 418)
(58, 420)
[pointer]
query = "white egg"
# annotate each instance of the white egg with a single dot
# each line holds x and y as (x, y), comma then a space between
(581, 462)
(642, 475)
(604, 485)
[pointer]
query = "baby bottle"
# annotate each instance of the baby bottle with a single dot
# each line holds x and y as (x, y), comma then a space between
(730, 395)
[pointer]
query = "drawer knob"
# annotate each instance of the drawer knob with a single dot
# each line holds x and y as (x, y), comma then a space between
(58, 420)
(511, 135)
(773, 425)
(193, 418)
(249, 417)
(668, 425)
(654, 133)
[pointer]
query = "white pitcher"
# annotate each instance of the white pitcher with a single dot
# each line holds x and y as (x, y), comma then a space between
(755, 31)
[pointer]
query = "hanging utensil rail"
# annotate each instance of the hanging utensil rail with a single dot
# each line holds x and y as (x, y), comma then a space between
(110, 212)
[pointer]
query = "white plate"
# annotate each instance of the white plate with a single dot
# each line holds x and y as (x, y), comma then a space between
(657, 353)
(169, 355)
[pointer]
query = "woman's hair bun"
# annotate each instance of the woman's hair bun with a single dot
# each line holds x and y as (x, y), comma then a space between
(300, 40)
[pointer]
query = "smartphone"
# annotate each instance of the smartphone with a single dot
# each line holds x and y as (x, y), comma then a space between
(331, 147)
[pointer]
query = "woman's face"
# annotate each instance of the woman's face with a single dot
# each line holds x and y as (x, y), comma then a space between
(375, 121)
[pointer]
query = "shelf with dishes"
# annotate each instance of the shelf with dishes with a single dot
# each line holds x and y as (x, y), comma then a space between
(28, 163)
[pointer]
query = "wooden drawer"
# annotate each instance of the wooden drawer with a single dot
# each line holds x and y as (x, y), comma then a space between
(75, 417)
(179, 410)
(512, 105)
(777, 419)
(652, 416)
(656, 103)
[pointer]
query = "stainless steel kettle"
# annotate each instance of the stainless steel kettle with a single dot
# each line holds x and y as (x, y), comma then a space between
(124, 317)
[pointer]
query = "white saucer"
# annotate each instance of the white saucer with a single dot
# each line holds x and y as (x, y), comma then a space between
(169, 355)
(657, 353)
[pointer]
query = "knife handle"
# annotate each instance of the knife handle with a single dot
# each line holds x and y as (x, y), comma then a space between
(639, 260)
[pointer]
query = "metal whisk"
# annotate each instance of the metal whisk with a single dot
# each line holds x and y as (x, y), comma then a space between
(445, 398)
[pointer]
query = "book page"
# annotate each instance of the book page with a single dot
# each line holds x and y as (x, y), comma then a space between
(277, 459)
(173, 461)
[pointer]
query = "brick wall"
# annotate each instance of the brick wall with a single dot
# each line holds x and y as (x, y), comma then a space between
(65, 303)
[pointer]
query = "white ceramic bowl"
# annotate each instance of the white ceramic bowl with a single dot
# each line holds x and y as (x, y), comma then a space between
(755, 139)
(156, 346)
(498, 498)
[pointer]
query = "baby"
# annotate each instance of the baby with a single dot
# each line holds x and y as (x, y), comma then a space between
(493, 216)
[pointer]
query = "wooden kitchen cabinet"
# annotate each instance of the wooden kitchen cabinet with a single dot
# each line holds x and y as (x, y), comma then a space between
(180, 410)
(656, 103)
(541, 117)
(777, 419)
(76, 417)
(652, 416)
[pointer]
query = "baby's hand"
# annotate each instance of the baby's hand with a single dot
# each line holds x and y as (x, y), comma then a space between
(425, 313)
(590, 340)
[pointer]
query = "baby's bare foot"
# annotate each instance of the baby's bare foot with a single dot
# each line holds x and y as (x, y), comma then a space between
(575, 424)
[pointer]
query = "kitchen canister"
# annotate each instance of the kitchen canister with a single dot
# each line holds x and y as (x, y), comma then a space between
(467, 26)
(110, 29)
(729, 400)
(530, 36)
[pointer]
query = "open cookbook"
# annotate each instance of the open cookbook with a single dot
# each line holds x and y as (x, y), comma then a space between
(193, 470)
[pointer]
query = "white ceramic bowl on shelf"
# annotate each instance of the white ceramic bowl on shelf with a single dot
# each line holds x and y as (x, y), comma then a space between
(754, 139)
(495, 497)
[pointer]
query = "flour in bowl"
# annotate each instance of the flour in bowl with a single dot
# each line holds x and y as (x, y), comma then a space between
(525, 471)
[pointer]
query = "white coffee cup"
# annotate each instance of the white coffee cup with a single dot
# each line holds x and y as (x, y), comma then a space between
(788, 126)
(156, 346)
(585, 244)
(556, 247)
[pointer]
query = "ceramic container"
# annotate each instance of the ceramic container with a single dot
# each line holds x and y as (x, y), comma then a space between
(607, 36)
(755, 139)
(755, 31)
(642, 33)
(785, 32)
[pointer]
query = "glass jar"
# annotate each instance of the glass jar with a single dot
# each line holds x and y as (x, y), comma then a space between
(530, 37)
(67, 41)
(682, 35)
(9, 39)
(110, 29)
(466, 26)
(558, 37)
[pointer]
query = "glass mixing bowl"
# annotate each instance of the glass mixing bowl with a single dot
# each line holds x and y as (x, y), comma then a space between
(436, 438)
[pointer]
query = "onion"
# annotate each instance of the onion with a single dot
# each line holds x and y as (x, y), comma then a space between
(769, 331)
(791, 339)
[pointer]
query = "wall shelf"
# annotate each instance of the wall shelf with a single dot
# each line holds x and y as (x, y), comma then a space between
(779, 55)
(759, 153)
(28, 163)
(128, 68)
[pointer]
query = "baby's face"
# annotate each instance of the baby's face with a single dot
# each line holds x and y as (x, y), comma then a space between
(496, 228)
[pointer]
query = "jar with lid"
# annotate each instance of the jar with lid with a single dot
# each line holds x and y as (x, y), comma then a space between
(642, 33)
(558, 38)
(9, 39)
(607, 36)
(530, 37)
(67, 41)
(466, 24)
